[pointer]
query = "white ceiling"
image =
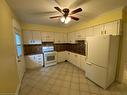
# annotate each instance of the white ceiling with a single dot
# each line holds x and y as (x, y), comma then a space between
(35, 11)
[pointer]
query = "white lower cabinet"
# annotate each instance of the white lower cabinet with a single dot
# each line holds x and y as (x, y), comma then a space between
(76, 59)
(34, 61)
(82, 62)
(61, 56)
(68, 56)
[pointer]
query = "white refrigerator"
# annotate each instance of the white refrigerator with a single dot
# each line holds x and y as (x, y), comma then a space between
(102, 55)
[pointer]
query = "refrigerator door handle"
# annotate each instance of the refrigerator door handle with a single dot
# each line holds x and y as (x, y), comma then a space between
(88, 63)
(86, 49)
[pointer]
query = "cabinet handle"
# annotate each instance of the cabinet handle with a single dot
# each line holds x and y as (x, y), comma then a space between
(105, 31)
(89, 63)
(19, 60)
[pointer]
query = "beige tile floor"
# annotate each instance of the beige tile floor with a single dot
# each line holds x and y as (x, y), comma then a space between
(64, 79)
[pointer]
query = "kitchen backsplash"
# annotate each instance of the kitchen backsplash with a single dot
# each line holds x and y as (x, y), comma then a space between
(32, 49)
(78, 48)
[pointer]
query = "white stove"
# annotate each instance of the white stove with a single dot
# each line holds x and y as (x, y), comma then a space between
(50, 56)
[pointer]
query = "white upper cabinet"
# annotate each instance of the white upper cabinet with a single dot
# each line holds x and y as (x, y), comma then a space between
(89, 31)
(65, 37)
(80, 35)
(98, 30)
(60, 37)
(47, 36)
(50, 37)
(27, 37)
(36, 37)
(31, 37)
(71, 37)
(43, 36)
(112, 28)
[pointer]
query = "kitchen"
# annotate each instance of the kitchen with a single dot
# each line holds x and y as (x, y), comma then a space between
(86, 58)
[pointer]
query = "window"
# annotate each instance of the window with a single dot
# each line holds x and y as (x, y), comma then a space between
(18, 45)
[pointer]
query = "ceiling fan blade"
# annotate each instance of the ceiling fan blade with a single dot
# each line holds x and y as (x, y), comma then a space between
(58, 9)
(76, 11)
(74, 18)
(55, 17)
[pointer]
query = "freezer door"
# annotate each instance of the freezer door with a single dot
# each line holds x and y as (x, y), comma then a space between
(98, 50)
(96, 74)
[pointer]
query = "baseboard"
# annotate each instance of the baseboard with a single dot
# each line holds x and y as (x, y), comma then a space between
(7, 94)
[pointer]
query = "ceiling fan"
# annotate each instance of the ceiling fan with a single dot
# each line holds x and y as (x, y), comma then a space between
(67, 15)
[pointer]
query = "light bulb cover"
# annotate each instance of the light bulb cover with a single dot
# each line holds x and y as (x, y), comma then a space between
(67, 20)
(62, 19)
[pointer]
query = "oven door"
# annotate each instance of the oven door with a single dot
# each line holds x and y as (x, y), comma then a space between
(50, 57)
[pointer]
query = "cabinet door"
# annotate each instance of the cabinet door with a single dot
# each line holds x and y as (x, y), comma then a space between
(72, 37)
(50, 37)
(71, 58)
(36, 37)
(82, 62)
(43, 36)
(60, 56)
(30, 61)
(64, 38)
(39, 59)
(74, 59)
(77, 60)
(112, 28)
(89, 31)
(27, 37)
(98, 30)
(69, 38)
(68, 56)
(78, 35)
(83, 34)
(57, 37)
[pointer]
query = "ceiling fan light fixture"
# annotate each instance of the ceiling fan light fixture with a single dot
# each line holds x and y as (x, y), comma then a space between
(67, 20)
(62, 19)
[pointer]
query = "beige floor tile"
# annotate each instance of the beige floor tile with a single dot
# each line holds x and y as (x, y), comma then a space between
(66, 84)
(55, 89)
(105, 92)
(94, 89)
(42, 92)
(46, 87)
(75, 80)
(61, 79)
(84, 93)
(75, 86)
(84, 87)
(34, 91)
(25, 90)
(73, 92)
(64, 91)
